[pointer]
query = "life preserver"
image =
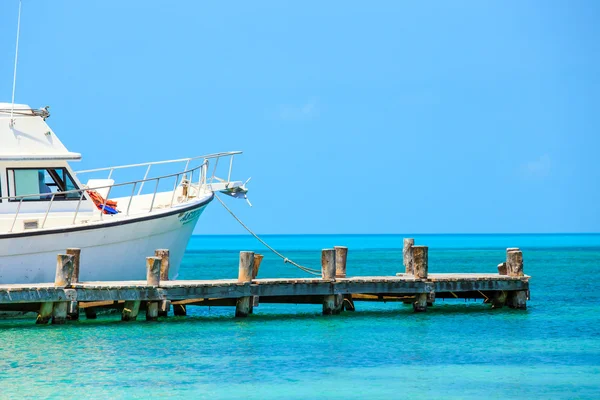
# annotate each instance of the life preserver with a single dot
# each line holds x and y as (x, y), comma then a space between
(110, 206)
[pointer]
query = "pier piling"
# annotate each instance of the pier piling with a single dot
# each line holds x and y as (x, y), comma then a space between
(163, 254)
(63, 278)
(257, 261)
(245, 272)
(153, 265)
(341, 256)
(153, 274)
(73, 311)
(407, 255)
(514, 267)
(130, 310)
(45, 313)
(420, 269)
(332, 303)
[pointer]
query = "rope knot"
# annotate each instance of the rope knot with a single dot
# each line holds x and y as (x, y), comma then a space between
(286, 260)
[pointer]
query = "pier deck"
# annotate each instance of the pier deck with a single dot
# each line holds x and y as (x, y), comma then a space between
(63, 298)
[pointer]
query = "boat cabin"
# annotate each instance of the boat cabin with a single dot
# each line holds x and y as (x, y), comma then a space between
(34, 165)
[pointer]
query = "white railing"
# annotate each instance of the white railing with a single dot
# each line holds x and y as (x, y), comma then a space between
(180, 178)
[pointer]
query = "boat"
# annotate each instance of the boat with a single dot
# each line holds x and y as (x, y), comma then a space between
(46, 206)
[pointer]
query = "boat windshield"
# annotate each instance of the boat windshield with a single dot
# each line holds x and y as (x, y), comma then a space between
(45, 181)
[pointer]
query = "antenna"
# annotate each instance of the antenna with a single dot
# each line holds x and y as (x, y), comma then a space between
(12, 109)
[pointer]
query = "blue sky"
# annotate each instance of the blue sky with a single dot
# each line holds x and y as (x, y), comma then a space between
(355, 117)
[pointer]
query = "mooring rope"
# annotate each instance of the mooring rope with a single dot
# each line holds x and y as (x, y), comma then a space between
(284, 258)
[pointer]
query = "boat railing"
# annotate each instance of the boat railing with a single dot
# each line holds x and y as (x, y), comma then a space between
(203, 180)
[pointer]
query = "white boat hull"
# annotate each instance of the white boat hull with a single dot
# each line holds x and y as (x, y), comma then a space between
(109, 252)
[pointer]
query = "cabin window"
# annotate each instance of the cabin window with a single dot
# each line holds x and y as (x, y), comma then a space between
(41, 184)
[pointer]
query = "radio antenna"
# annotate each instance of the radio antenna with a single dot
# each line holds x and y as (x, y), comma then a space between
(12, 109)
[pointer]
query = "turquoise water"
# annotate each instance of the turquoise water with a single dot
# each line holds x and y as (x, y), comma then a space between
(456, 350)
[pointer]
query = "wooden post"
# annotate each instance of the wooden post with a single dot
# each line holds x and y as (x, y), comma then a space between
(130, 310)
(514, 267)
(45, 313)
(152, 311)
(59, 313)
(328, 264)
(341, 255)
(76, 253)
(420, 304)
(153, 272)
(517, 299)
(502, 268)
(499, 299)
(332, 303)
(420, 261)
(514, 262)
(165, 305)
(407, 255)
(153, 265)
(63, 277)
(73, 312)
(64, 270)
(420, 269)
(257, 260)
(245, 271)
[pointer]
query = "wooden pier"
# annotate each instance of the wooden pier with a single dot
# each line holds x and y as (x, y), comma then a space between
(334, 291)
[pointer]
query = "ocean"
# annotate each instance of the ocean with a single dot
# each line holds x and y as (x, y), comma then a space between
(456, 350)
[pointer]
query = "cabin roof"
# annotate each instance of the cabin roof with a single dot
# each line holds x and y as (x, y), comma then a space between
(30, 138)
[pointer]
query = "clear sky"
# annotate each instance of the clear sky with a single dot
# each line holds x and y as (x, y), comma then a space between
(355, 117)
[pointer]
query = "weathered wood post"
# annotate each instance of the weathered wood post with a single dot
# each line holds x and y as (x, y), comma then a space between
(130, 310)
(499, 299)
(64, 274)
(45, 313)
(73, 313)
(332, 303)
(254, 299)
(245, 271)
(153, 265)
(132, 307)
(514, 267)
(420, 268)
(502, 268)
(407, 255)
(341, 257)
(514, 262)
(153, 270)
(165, 305)
(257, 261)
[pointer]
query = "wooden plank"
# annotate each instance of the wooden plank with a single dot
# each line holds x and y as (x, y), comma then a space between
(89, 304)
(205, 302)
(481, 285)
(381, 298)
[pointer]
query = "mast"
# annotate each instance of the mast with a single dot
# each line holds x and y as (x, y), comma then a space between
(12, 109)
